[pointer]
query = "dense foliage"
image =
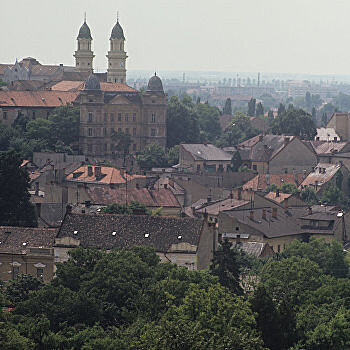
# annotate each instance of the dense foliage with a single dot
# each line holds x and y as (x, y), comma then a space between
(15, 206)
(58, 133)
(295, 122)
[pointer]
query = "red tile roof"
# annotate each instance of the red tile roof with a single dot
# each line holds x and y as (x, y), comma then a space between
(151, 198)
(79, 85)
(262, 181)
(111, 175)
(36, 98)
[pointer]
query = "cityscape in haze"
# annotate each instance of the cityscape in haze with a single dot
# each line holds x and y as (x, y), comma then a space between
(175, 175)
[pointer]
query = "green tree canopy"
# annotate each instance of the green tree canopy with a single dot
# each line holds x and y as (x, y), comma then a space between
(251, 107)
(15, 207)
(295, 122)
(228, 107)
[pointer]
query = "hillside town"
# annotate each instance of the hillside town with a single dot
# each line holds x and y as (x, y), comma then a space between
(130, 205)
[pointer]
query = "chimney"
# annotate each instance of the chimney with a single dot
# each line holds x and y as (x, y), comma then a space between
(239, 193)
(122, 172)
(309, 210)
(251, 215)
(165, 186)
(98, 172)
(231, 195)
(209, 198)
(286, 204)
(171, 182)
(286, 141)
(193, 210)
(277, 193)
(274, 213)
(263, 215)
(37, 188)
(238, 239)
(90, 173)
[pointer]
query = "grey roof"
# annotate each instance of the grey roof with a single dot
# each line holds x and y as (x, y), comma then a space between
(117, 32)
(92, 83)
(12, 238)
(253, 248)
(263, 147)
(206, 152)
(84, 32)
(96, 230)
(286, 223)
(155, 84)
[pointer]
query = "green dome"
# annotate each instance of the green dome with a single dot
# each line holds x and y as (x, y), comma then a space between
(117, 32)
(84, 32)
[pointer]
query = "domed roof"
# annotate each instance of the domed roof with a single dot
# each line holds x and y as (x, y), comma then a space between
(117, 32)
(84, 32)
(155, 84)
(92, 83)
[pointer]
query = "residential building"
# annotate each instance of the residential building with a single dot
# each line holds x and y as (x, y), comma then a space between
(325, 173)
(261, 181)
(327, 134)
(340, 122)
(26, 250)
(153, 199)
(276, 154)
(203, 158)
(32, 104)
(279, 226)
(183, 241)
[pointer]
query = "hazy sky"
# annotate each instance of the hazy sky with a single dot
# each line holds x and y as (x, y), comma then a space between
(304, 36)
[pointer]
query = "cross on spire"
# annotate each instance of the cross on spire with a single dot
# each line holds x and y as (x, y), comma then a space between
(117, 16)
(85, 17)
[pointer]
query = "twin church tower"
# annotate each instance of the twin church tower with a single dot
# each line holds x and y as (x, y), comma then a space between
(116, 71)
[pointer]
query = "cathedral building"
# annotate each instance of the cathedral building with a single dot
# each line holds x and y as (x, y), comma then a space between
(122, 111)
(109, 109)
(113, 108)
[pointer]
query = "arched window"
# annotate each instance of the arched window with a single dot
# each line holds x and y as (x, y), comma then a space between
(121, 46)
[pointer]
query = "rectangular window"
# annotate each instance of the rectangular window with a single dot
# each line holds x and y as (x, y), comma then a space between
(90, 148)
(111, 147)
(119, 117)
(112, 131)
(105, 117)
(90, 117)
(39, 273)
(279, 248)
(104, 131)
(119, 129)
(134, 131)
(33, 115)
(105, 147)
(153, 118)
(134, 117)
(112, 117)
(90, 132)
(153, 132)
(127, 131)
(254, 167)
(126, 117)
(4, 115)
(134, 147)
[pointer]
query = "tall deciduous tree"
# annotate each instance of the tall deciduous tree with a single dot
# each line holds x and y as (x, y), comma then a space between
(295, 122)
(228, 107)
(259, 109)
(251, 107)
(15, 207)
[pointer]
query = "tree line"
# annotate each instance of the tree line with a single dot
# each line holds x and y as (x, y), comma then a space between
(127, 299)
